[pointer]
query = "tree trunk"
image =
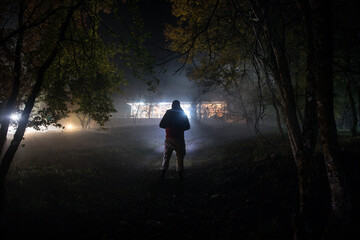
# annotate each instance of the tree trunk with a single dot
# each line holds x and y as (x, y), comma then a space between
(299, 113)
(242, 104)
(301, 152)
(278, 120)
(322, 30)
(310, 121)
(16, 84)
(273, 101)
(198, 109)
(281, 73)
(306, 229)
(87, 124)
(10, 153)
(301, 144)
(81, 118)
(357, 87)
(353, 109)
(302, 221)
(193, 111)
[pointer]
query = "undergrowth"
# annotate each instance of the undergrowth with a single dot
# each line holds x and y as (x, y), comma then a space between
(237, 189)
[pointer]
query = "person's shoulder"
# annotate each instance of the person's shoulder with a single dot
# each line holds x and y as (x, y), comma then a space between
(171, 111)
(176, 110)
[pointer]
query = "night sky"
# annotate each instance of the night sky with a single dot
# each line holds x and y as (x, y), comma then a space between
(156, 14)
(172, 85)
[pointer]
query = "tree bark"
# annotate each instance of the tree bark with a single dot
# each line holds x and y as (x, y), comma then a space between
(310, 121)
(357, 87)
(278, 119)
(246, 114)
(353, 128)
(322, 30)
(281, 72)
(18, 136)
(16, 84)
(299, 113)
(301, 146)
(305, 228)
(274, 102)
(302, 143)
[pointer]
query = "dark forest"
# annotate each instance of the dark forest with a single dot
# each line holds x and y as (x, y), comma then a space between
(271, 90)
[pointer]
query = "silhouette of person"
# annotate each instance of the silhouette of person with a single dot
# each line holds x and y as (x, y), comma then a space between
(175, 123)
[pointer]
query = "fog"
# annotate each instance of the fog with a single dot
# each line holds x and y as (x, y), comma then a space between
(132, 146)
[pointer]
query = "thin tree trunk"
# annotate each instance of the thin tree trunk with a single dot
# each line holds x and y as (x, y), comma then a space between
(301, 118)
(343, 117)
(278, 120)
(87, 125)
(305, 228)
(301, 147)
(193, 111)
(301, 152)
(357, 87)
(299, 113)
(199, 111)
(322, 30)
(81, 119)
(242, 104)
(18, 136)
(274, 102)
(281, 73)
(136, 116)
(310, 121)
(16, 84)
(353, 109)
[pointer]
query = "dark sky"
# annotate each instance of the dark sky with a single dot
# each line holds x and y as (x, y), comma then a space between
(157, 13)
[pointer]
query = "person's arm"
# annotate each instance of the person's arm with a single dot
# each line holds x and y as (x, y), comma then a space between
(187, 124)
(164, 121)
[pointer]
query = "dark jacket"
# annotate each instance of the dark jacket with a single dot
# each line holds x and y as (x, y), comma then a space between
(175, 123)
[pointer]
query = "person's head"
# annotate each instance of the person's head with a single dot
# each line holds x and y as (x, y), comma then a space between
(175, 104)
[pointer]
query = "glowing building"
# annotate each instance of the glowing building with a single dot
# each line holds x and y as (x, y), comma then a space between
(213, 109)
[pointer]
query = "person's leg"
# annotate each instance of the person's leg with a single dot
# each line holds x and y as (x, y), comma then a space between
(168, 149)
(180, 154)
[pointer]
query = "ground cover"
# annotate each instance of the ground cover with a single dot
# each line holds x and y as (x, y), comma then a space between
(104, 185)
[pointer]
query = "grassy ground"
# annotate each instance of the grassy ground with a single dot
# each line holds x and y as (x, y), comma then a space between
(104, 185)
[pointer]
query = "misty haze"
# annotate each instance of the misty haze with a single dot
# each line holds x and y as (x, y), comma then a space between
(174, 119)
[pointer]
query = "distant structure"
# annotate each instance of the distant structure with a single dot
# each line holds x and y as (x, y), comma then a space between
(208, 109)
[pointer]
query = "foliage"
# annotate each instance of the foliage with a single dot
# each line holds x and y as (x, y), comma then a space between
(84, 74)
(229, 50)
(346, 65)
(288, 43)
(60, 59)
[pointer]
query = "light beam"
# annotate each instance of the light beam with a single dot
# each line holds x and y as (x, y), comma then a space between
(15, 117)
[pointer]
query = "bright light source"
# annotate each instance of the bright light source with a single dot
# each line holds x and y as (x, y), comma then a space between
(187, 112)
(15, 117)
(69, 126)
